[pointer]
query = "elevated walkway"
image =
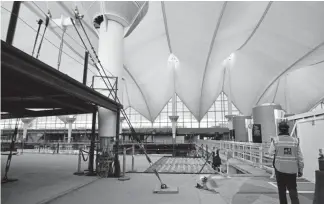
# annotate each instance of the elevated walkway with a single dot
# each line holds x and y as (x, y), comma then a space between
(28, 83)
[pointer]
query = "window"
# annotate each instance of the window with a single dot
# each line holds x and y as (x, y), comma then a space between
(215, 116)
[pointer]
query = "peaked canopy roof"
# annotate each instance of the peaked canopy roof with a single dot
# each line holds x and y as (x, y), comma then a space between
(256, 52)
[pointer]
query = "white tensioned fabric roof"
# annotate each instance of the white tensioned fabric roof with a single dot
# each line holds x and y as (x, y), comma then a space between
(276, 49)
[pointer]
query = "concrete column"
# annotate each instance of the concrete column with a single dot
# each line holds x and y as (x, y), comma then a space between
(70, 121)
(111, 44)
(239, 126)
(174, 125)
(121, 120)
(264, 115)
(27, 122)
(110, 22)
(230, 125)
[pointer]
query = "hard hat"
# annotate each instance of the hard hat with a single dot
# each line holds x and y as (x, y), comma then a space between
(283, 125)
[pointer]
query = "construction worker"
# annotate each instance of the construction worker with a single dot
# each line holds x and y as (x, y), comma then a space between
(217, 161)
(288, 163)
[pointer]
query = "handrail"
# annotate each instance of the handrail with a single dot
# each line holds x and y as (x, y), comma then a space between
(252, 153)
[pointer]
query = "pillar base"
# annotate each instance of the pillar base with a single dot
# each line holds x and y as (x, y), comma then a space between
(117, 168)
(124, 178)
(90, 173)
(78, 173)
(8, 180)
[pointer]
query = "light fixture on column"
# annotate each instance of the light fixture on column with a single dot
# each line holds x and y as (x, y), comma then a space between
(173, 61)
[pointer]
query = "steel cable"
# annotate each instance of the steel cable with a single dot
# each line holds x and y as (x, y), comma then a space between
(57, 25)
(47, 39)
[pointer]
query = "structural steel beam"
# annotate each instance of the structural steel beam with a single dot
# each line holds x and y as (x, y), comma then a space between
(23, 113)
(14, 59)
(13, 22)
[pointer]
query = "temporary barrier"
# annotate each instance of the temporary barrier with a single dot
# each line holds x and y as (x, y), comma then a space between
(81, 156)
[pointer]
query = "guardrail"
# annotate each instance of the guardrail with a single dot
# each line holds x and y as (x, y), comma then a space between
(253, 153)
(51, 148)
(121, 142)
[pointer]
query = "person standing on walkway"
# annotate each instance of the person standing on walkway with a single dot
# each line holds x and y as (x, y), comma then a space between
(216, 161)
(288, 163)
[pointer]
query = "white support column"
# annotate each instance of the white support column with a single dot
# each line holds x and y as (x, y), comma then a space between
(174, 124)
(229, 97)
(70, 121)
(110, 21)
(27, 122)
(121, 125)
(111, 44)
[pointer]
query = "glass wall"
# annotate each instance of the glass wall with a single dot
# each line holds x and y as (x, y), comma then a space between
(185, 120)
(214, 117)
(217, 112)
(83, 121)
(136, 119)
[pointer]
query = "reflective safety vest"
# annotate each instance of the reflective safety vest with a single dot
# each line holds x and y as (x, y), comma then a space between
(286, 160)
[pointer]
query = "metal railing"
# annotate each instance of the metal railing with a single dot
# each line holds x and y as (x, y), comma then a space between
(121, 142)
(253, 153)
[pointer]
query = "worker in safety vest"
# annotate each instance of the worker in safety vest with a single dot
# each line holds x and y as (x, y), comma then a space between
(288, 163)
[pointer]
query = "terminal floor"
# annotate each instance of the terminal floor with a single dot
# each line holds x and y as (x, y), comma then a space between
(139, 189)
(44, 176)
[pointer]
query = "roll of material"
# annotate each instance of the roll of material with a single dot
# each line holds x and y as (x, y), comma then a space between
(319, 188)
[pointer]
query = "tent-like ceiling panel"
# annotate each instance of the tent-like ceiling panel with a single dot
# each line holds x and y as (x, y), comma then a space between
(266, 40)
(273, 51)
(146, 56)
(190, 27)
(237, 24)
(134, 98)
(299, 90)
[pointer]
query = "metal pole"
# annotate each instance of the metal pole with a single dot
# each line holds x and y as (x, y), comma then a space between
(124, 177)
(40, 22)
(92, 143)
(133, 159)
(117, 164)
(85, 69)
(261, 156)
(124, 161)
(13, 22)
(78, 172)
(79, 160)
(207, 153)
